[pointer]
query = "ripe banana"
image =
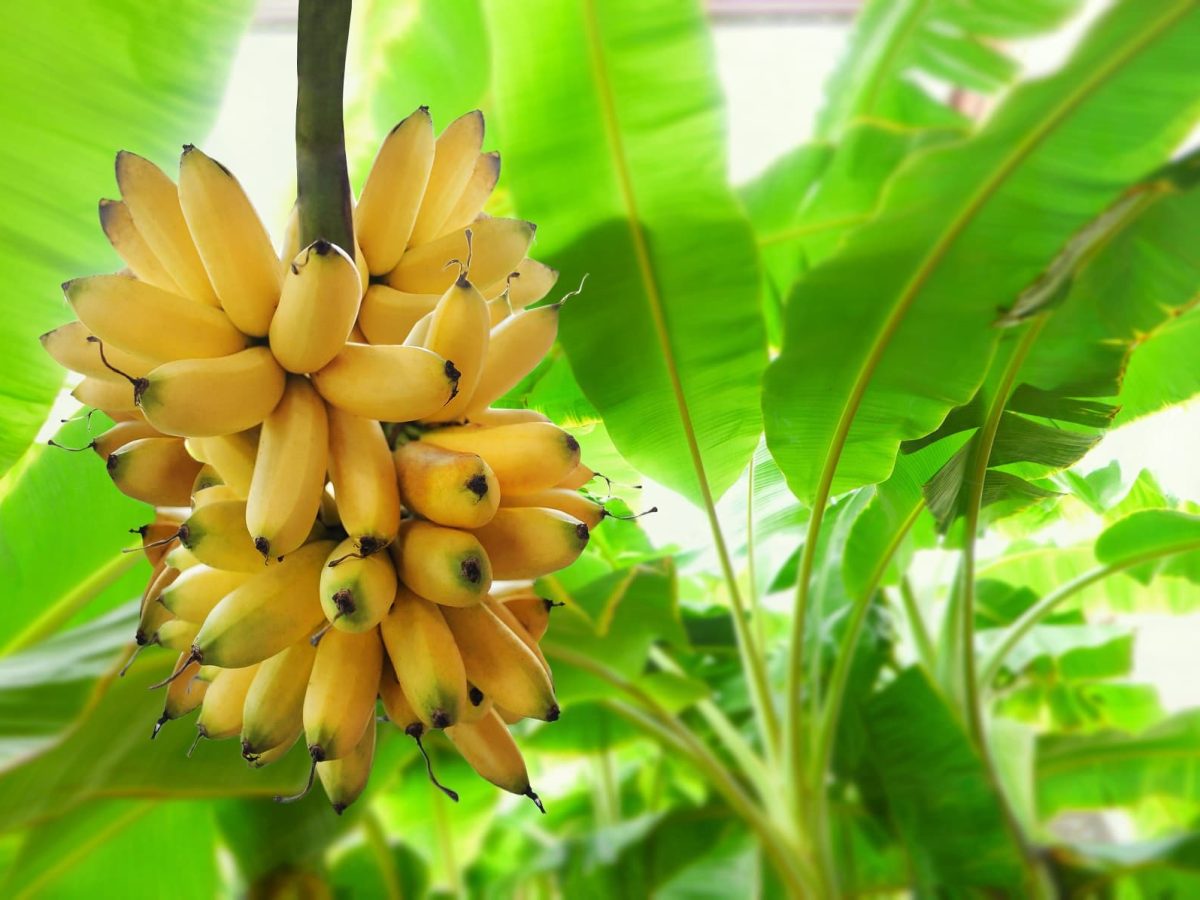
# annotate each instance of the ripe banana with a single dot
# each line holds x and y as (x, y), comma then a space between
(497, 247)
(274, 709)
(221, 711)
(340, 699)
(70, 348)
(195, 592)
(117, 222)
(491, 751)
(500, 664)
(364, 480)
(232, 455)
(517, 345)
(155, 470)
(207, 397)
(149, 322)
(216, 535)
(153, 203)
(392, 194)
(426, 659)
(232, 243)
(454, 157)
(184, 694)
(207, 478)
(395, 704)
(176, 634)
(157, 535)
(273, 610)
(532, 611)
(419, 334)
(356, 592)
(506, 615)
(317, 309)
(526, 457)
(495, 417)
(345, 778)
(533, 281)
(445, 486)
(459, 328)
(578, 477)
(388, 383)
(276, 753)
(289, 471)
(444, 565)
(116, 398)
(573, 503)
(529, 542)
(469, 205)
(386, 316)
(121, 434)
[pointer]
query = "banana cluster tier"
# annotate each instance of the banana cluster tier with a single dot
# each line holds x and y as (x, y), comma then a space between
(337, 498)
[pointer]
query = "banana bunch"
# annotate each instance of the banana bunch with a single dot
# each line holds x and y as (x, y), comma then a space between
(338, 500)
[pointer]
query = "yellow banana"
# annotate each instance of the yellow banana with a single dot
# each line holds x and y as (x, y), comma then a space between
(454, 157)
(232, 243)
(500, 664)
(111, 396)
(121, 434)
(418, 335)
(529, 542)
(182, 558)
(216, 493)
(195, 592)
(469, 205)
(221, 711)
(356, 591)
(517, 345)
(495, 417)
(207, 397)
(69, 346)
(273, 610)
(392, 194)
(364, 480)
(386, 316)
(274, 709)
(289, 471)
(156, 536)
(118, 226)
(184, 694)
(340, 699)
(216, 535)
(491, 751)
(531, 611)
(577, 477)
(445, 486)
(573, 503)
(276, 753)
(426, 659)
(208, 478)
(533, 281)
(459, 328)
(395, 704)
(497, 247)
(388, 383)
(176, 635)
(509, 618)
(149, 322)
(153, 203)
(155, 470)
(317, 309)
(345, 778)
(153, 614)
(444, 565)
(526, 457)
(232, 455)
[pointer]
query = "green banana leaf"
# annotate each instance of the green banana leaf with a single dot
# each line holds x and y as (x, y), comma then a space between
(597, 102)
(947, 42)
(910, 300)
(94, 77)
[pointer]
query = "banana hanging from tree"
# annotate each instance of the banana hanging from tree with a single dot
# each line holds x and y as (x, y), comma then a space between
(426, 659)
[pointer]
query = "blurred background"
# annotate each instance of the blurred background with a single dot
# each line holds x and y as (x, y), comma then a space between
(88, 806)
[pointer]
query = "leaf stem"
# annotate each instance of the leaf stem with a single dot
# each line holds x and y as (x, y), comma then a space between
(916, 624)
(384, 861)
(322, 178)
(1041, 609)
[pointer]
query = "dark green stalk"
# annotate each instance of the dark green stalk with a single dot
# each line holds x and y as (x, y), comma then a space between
(322, 179)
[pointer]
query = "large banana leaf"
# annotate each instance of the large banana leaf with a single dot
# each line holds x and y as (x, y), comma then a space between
(899, 46)
(896, 329)
(86, 78)
(611, 123)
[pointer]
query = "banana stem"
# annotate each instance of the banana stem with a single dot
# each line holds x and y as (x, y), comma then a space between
(322, 178)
